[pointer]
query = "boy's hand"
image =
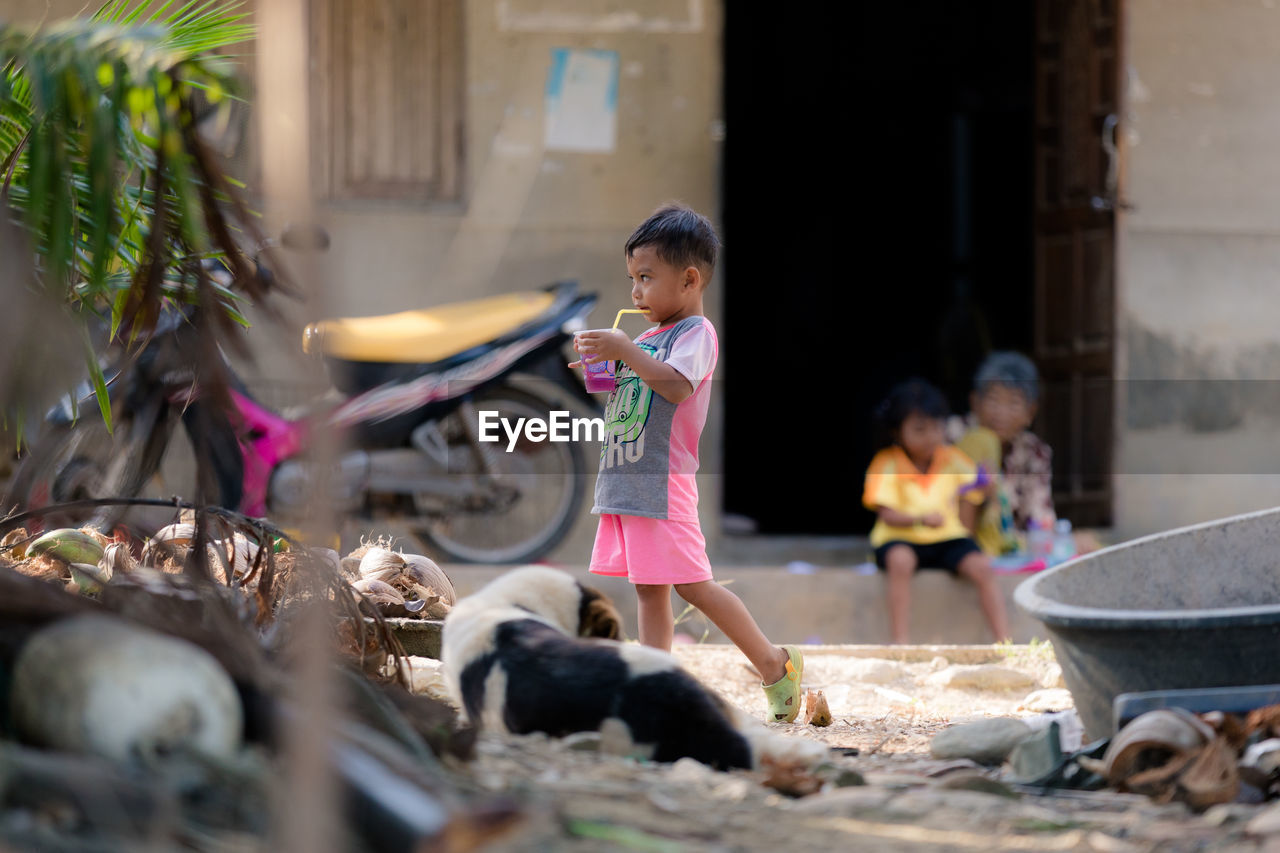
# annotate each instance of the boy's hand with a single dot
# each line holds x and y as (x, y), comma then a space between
(601, 345)
(933, 519)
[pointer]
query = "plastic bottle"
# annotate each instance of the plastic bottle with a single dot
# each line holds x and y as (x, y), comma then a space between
(1039, 540)
(1064, 542)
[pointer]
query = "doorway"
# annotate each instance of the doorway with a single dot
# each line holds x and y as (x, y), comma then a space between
(878, 224)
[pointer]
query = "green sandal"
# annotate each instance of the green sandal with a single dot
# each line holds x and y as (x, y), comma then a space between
(784, 694)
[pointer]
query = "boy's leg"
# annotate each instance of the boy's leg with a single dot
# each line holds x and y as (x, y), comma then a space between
(977, 568)
(657, 625)
(727, 612)
(900, 563)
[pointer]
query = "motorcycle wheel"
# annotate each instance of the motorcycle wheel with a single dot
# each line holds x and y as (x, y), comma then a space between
(83, 461)
(535, 493)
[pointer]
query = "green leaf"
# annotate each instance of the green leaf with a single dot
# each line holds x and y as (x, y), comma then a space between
(85, 105)
(99, 383)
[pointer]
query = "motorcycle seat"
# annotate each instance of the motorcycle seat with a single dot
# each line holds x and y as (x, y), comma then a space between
(428, 334)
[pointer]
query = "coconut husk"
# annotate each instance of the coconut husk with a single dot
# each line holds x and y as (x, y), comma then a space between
(1211, 777)
(426, 572)
(1265, 720)
(1151, 740)
(44, 568)
(1158, 782)
(1230, 726)
(14, 543)
(356, 643)
(793, 778)
(816, 711)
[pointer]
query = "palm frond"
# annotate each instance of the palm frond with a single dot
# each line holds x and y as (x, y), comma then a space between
(99, 155)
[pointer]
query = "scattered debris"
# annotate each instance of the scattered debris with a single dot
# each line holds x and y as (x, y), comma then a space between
(162, 679)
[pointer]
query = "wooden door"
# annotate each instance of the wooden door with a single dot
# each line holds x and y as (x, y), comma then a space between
(1077, 67)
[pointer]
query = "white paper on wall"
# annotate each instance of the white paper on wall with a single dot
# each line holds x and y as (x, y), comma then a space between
(582, 100)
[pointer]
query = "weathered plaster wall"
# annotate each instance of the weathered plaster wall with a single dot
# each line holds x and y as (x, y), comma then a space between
(529, 216)
(532, 216)
(1200, 412)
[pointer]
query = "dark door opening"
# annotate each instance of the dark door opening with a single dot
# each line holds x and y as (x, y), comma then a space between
(878, 224)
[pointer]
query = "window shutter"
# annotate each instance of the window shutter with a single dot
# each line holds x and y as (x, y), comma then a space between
(387, 99)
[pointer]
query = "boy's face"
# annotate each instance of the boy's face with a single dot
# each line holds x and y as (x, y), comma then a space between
(665, 293)
(1003, 410)
(920, 435)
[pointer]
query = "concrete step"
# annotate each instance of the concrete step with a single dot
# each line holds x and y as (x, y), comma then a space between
(828, 607)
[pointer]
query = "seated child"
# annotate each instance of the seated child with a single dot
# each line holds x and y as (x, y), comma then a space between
(917, 486)
(1006, 391)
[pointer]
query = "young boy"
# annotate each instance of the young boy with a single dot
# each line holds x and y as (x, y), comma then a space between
(646, 492)
(925, 515)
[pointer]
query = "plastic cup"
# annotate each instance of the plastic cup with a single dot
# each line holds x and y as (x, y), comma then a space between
(601, 376)
(598, 377)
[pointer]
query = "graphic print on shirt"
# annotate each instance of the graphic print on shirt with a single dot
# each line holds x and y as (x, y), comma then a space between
(626, 413)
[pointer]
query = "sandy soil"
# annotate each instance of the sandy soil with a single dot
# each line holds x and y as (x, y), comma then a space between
(887, 704)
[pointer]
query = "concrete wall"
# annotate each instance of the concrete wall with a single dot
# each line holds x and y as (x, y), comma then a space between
(1198, 260)
(529, 216)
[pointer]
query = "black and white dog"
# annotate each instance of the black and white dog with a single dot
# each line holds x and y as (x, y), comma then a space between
(515, 660)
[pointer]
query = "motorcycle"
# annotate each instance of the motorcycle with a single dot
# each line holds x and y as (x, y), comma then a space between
(408, 390)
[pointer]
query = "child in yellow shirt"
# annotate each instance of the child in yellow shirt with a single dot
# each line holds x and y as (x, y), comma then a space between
(920, 489)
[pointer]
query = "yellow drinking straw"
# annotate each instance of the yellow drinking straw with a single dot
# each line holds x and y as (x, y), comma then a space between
(618, 319)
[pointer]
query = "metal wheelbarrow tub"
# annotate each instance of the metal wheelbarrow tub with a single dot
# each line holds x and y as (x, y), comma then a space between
(1195, 607)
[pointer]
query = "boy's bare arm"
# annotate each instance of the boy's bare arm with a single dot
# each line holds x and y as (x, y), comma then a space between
(897, 518)
(969, 515)
(665, 380)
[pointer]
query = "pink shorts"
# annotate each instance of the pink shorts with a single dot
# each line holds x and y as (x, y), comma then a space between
(650, 550)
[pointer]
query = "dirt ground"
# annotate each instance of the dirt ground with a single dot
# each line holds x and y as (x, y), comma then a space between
(887, 704)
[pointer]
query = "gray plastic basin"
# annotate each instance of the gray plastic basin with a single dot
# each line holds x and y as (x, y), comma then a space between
(1194, 607)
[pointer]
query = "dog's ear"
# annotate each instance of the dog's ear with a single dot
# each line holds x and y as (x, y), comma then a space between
(597, 617)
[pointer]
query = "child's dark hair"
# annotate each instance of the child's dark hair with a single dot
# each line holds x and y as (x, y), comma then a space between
(912, 397)
(680, 236)
(1011, 370)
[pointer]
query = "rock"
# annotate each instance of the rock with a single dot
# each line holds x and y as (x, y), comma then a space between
(971, 781)
(938, 664)
(1227, 813)
(848, 778)
(986, 676)
(985, 741)
(102, 686)
(1053, 677)
(1103, 843)
(1049, 699)
(844, 801)
(582, 741)
(1266, 822)
(615, 739)
(874, 671)
(426, 677)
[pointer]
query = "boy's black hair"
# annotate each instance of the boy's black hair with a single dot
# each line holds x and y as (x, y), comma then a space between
(681, 237)
(912, 397)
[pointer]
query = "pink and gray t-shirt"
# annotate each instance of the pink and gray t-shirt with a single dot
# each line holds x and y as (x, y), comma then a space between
(650, 452)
